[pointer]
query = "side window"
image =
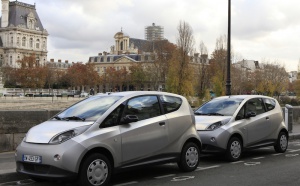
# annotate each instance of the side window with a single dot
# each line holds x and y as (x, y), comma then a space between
(144, 107)
(113, 118)
(241, 114)
(255, 105)
(270, 104)
(170, 103)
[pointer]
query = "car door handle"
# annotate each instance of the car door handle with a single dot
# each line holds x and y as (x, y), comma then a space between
(162, 123)
(267, 118)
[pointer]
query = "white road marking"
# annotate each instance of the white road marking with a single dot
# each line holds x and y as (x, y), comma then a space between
(277, 154)
(128, 183)
(205, 168)
(258, 158)
(252, 163)
(265, 148)
(183, 178)
(236, 162)
(296, 150)
(291, 155)
(165, 176)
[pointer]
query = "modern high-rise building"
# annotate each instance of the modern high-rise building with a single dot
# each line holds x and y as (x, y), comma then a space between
(21, 34)
(154, 32)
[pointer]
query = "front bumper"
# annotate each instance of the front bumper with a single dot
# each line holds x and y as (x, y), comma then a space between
(214, 141)
(70, 153)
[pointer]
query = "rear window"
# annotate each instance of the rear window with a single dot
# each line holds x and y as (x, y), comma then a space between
(270, 104)
(170, 103)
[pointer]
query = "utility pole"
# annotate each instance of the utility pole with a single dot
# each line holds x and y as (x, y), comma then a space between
(228, 81)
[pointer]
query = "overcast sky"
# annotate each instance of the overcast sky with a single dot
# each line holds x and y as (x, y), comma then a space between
(263, 30)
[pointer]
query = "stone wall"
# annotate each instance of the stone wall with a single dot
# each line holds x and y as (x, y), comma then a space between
(15, 124)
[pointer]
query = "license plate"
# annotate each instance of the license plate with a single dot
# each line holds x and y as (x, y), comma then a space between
(32, 158)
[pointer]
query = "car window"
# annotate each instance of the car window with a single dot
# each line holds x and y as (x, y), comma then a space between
(113, 118)
(241, 114)
(270, 104)
(170, 103)
(144, 107)
(255, 105)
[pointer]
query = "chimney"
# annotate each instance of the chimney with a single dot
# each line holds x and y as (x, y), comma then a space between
(52, 60)
(104, 53)
(66, 61)
(99, 54)
(59, 60)
(5, 9)
(196, 54)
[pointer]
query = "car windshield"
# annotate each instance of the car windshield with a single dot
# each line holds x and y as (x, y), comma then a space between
(88, 109)
(219, 107)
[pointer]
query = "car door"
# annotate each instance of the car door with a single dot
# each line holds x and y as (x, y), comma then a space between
(149, 135)
(259, 125)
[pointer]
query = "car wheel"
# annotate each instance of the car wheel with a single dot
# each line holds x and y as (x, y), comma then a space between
(234, 149)
(95, 170)
(189, 158)
(281, 143)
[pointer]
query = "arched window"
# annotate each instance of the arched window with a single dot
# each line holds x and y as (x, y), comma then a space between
(30, 42)
(37, 44)
(24, 41)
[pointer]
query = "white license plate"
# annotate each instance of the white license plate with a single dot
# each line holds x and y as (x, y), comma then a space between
(32, 158)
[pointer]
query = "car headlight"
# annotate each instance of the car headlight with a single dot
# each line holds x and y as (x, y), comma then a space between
(62, 137)
(218, 124)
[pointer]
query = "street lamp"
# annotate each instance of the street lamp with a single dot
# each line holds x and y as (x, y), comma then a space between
(228, 81)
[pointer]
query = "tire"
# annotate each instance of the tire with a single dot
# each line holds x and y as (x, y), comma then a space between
(189, 158)
(95, 170)
(281, 143)
(234, 149)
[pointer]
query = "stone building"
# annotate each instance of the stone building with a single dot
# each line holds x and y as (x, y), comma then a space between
(21, 34)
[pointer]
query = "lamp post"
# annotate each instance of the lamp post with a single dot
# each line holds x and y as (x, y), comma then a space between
(228, 81)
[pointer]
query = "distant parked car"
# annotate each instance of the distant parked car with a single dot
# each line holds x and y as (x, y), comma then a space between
(108, 132)
(232, 124)
(84, 94)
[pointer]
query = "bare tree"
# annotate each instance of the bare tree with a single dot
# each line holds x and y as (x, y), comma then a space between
(180, 78)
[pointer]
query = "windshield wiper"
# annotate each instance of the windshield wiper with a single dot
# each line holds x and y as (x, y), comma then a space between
(215, 114)
(57, 117)
(197, 113)
(73, 118)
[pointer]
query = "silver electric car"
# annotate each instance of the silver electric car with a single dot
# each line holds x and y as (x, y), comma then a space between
(231, 124)
(108, 132)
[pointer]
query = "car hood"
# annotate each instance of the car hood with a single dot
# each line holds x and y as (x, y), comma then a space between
(202, 122)
(44, 132)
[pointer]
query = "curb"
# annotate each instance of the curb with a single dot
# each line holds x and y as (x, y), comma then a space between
(294, 136)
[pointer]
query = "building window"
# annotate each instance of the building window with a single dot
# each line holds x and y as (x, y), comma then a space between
(44, 44)
(37, 44)
(101, 59)
(18, 41)
(108, 59)
(12, 40)
(24, 41)
(10, 60)
(30, 42)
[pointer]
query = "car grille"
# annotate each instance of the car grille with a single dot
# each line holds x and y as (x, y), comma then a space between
(36, 168)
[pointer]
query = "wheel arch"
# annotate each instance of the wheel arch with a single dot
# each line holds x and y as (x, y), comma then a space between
(194, 140)
(238, 136)
(100, 150)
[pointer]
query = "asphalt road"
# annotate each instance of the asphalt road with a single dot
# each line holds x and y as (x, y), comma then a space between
(257, 167)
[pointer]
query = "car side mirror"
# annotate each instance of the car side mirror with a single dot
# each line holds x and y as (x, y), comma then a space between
(250, 114)
(129, 119)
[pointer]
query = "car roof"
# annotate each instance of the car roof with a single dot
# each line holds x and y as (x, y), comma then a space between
(136, 93)
(243, 96)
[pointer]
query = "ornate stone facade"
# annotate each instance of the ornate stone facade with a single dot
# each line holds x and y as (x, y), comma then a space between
(21, 34)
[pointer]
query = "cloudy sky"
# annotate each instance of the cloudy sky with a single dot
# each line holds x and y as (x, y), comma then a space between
(263, 30)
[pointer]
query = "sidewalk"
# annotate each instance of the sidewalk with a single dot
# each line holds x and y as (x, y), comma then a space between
(8, 165)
